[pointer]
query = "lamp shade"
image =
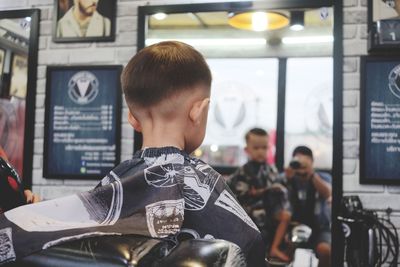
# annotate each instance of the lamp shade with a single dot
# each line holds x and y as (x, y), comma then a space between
(297, 20)
(258, 20)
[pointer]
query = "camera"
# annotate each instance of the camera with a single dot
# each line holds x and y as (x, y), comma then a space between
(295, 164)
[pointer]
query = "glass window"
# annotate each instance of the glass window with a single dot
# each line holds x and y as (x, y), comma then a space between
(243, 96)
(309, 108)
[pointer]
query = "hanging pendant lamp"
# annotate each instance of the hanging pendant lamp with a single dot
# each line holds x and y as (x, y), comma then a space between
(258, 20)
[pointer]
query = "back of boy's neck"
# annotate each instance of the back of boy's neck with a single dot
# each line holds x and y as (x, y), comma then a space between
(163, 139)
(159, 132)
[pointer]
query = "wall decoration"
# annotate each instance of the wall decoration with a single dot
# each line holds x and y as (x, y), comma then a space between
(380, 120)
(86, 21)
(82, 121)
(383, 26)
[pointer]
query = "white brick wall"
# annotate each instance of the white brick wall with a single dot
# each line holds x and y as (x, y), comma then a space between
(355, 45)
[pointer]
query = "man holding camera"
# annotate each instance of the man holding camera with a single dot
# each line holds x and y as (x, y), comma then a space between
(310, 197)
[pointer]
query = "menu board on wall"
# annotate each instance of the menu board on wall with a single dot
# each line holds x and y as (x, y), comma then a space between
(82, 121)
(380, 121)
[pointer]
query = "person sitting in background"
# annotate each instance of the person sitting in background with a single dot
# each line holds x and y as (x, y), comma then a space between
(12, 184)
(310, 195)
(260, 191)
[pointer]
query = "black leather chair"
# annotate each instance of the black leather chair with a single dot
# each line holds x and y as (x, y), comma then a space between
(134, 251)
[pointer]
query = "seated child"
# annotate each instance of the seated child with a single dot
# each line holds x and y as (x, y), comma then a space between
(162, 189)
(258, 189)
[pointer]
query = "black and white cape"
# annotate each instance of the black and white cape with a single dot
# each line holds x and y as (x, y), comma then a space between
(157, 193)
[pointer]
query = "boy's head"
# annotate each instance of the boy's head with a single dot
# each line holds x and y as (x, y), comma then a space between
(257, 144)
(168, 83)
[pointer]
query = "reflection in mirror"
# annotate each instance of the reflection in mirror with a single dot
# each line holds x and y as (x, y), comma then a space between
(272, 69)
(15, 38)
(248, 62)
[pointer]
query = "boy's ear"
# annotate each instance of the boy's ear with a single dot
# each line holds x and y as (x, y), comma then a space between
(134, 122)
(197, 110)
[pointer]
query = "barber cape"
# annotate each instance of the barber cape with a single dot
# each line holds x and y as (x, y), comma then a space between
(158, 193)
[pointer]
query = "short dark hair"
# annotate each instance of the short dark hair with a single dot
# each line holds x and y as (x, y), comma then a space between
(161, 70)
(303, 150)
(256, 131)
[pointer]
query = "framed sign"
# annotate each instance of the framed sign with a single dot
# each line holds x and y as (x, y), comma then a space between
(384, 26)
(84, 21)
(82, 121)
(380, 120)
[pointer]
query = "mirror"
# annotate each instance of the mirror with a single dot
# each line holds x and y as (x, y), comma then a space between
(285, 79)
(261, 77)
(18, 60)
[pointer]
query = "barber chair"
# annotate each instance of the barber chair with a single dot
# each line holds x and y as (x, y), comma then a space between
(133, 251)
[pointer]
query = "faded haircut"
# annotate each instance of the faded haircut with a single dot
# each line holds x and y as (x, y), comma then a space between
(159, 71)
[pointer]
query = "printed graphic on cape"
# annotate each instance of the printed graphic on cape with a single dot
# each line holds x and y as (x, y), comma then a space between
(101, 206)
(7, 252)
(197, 183)
(165, 217)
(104, 203)
(228, 202)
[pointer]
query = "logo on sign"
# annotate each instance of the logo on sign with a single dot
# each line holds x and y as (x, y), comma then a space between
(394, 81)
(83, 87)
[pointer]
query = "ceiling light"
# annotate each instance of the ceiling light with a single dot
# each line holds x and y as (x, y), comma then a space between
(258, 20)
(307, 39)
(160, 16)
(297, 20)
(198, 153)
(214, 148)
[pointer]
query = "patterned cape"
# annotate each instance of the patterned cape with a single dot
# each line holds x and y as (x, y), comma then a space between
(157, 193)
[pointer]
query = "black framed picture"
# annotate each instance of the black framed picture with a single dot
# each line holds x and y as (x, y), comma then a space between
(380, 120)
(18, 62)
(82, 121)
(384, 26)
(84, 21)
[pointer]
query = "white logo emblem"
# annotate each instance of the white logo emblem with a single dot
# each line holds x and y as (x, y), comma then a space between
(83, 87)
(394, 81)
(346, 230)
(324, 13)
